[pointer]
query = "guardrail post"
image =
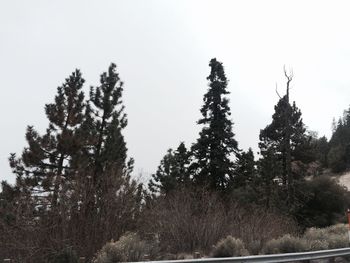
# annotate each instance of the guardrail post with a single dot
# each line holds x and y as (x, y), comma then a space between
(348, 213)
(197, 255)
(146, 257)
(82, 260)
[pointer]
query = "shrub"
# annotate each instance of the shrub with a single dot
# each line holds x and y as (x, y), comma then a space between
(182, 256)
(337, 158)
(314, 245)
(194, 220)
(338, 241)
(285, 244)
(315, 233)
(327, 238)
(66, 256)
(253, 226)
(128, 248)
(229, 247)
(187, 221)
(254, 247)
(324, 204)
(338, 229)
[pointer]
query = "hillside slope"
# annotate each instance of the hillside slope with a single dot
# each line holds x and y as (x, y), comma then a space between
(344, 180)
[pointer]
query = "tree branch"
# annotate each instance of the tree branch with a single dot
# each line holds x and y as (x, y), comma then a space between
(277, 92)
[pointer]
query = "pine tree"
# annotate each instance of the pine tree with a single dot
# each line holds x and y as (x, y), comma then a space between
(269, 177)
(213, 152)
(321, 150)
(45, 175)
(112, 197)
(45, 164)
(75, 181)
(173, 172)
(245, 172)
(105, 120)
(338, 157)
(284, 138)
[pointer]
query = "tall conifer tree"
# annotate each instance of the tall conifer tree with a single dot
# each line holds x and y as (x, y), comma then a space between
(45, 174)
(216, 146)
(44, 166)
(105, 121)
(283, 138)
(112, 197)
(76, 177)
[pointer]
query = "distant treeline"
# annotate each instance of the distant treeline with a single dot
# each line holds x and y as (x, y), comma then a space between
(74, 191)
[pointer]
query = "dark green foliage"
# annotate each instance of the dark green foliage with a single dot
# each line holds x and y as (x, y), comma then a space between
(45, 175)
(246, 182)
(74, 186)
(44, 164)
(269, 180)
(105, 120)
(321, 149)
(74, 182)
(172, 172)
(337, 158)
(285, 135)
(339, 145)
(246, 195)
(284, 142)
(67, 255)
(110, 195)
(216, 146)
(44, 172)
(324, 202)
(8, 196)
(245, 172)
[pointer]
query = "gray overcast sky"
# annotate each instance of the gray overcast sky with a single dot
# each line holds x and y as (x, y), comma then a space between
(162, 49)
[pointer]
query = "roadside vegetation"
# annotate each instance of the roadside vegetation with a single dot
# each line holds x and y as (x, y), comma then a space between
(75, 194)
(313, 239)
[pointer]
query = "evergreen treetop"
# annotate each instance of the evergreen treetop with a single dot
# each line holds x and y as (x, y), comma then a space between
(173, 172)
(216, 147)
(45, 163)
(106, 121)
(286, 141)
(245, 172)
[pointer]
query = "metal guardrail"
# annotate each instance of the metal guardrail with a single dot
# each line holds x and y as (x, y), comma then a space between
(273, 258)
(288, 257)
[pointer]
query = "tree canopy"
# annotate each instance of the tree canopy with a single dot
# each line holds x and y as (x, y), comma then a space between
(216, 146)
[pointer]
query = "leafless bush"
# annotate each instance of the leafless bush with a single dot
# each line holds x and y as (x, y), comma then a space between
(255, 226)
(36, 232)
(188, 221)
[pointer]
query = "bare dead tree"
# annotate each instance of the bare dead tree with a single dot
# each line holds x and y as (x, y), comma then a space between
(289, 76)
